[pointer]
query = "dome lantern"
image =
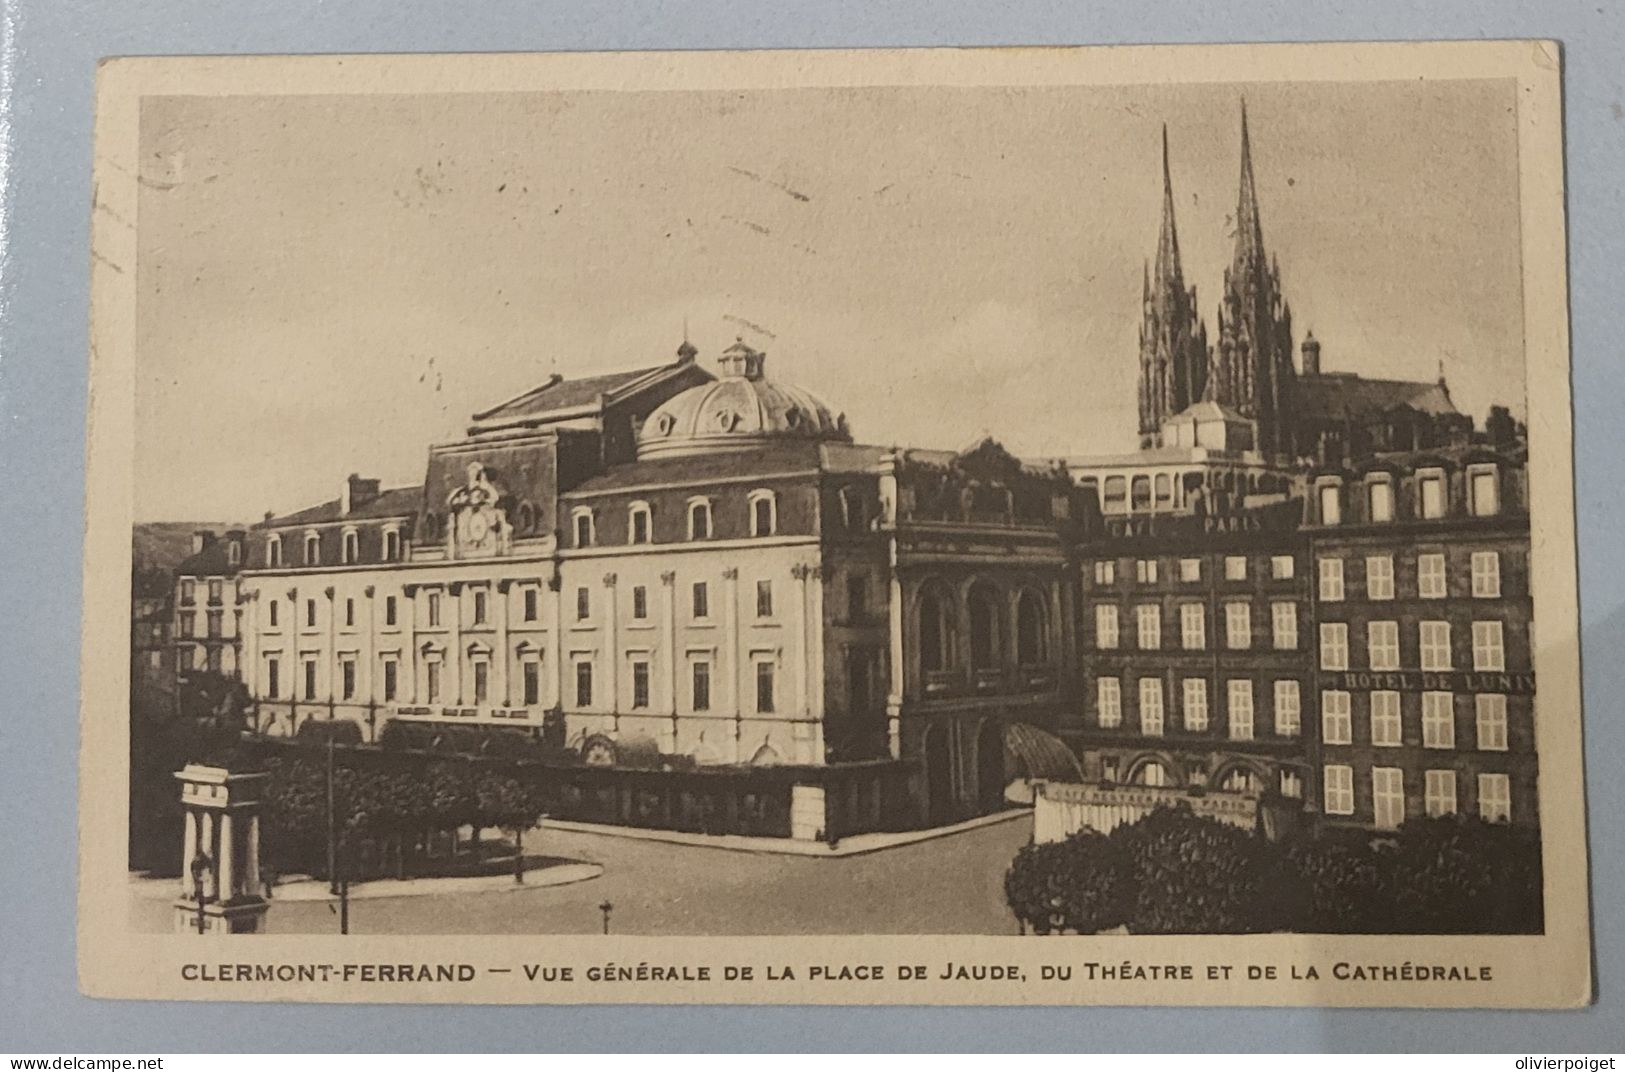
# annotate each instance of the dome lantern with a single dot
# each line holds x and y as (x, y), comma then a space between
(741, 360)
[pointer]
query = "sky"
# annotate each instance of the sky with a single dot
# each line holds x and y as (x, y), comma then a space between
(328, 284)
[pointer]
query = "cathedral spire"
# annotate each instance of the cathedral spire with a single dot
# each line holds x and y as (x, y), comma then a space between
(1173, 343)
(1249, 232)
(1168, 268)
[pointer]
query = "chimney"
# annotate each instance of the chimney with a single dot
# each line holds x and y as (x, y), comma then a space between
(1500, 428)
(202, 538)
(1311, 355)
(357, 493)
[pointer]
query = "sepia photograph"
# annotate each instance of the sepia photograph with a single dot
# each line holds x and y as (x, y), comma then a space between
(907, 519)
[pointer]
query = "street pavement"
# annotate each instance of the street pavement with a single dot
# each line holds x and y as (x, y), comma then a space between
(948, 885)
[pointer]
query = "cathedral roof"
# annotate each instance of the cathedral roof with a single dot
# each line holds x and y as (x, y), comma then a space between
(1345, 395)
(741, 410)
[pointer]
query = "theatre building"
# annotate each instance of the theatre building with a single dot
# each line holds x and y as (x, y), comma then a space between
(681, 568)
(1423, 676)
(1195, 654)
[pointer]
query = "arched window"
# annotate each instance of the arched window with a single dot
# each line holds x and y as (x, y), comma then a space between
(764, 513)
(1116, 497)
(639, 523)
(699, 519)
(984, 628)
(273, 551)
(1140, 493)
(527, 517)
(351, 550)
(392, 545)
(938, 638)
(1032, 648)
(581, 521)
(313, 549)
(1241, 780)
(1151, 773)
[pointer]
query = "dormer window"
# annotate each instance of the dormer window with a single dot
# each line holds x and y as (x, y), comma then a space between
(581, 520)
(313, 549)
(1379, 497)
(273, 551)
(764, 513)
(350, 551)
(638, 523)
(234, 553)
(1483, 490)
(699, 519)
(1430, 493)
(392, 545)
(1329, 497)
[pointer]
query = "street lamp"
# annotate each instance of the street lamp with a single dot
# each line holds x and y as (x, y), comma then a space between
(605, 908)
(200, 870)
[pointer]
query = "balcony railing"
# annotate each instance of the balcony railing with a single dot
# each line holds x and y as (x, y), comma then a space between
(477, 712)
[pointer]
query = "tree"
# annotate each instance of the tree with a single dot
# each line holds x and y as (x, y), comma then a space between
(1195, 875)
(510, 803)
(1079, 885)
(1457, 875)
(1348, 884)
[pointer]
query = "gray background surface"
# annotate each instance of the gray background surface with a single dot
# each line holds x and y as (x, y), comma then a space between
(43, 314)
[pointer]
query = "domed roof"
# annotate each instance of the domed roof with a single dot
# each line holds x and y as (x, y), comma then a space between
(739, 410)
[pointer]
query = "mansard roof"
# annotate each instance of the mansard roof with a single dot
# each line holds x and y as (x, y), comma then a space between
(394, 502)
(559, 396)
(1338, 396)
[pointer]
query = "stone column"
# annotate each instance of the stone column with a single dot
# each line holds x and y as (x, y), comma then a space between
(668, 625)
(612, 642)
(409, 662)
(730, 644)
(500, 657)
(247, 639)
(228, 870)
(205, 841)
(189, 833)
(894, 618)
(252, 863)
(800, 572)
(555, 639)
(332, 649)
(454, 646)
(368, 657)
(816, 671)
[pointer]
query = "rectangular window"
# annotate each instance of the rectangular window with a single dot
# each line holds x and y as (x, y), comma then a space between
(1238, 626)
(1336, 723)
(1491, 709)
(1339, 789)
(533, 683)
(532, 599)
(482, 681)
(479, 606)
(1430, 492)
(1435, 644)
(1382, 645)
(1438, 720)
(1105, 625)
(1380, 499)
(1192, 626)
(1291, 785)
(640, 683)
(1331, 504)
(1489, 650)
(1195, 704)
(349, 613)
(1283, 567)
(432, 671)
(1151, 706)
(1241, 709)
(1145, 571)
(216, 620)
(583, 603)
(1106, 572)
(701, 600)
(273, 674)
(640, 526)
(1109, 702)
(1190, 569)
(583, 525)
(1148, 622)
(1331, 580)
(1235, 567)
(347, 679)
(764, 687)
(1430, 583)
(1486, 575)
(310, 679)
(389, 610)
(1334, 646)
(583, 684)
(392, 545)
(1379, 577)
(640, 603)
(216, 590)
(434, 609)
(310, 613)
(702, 686)
(1284, 625)
(273, 614)
(1439, 793)
(188, 592)
(1387, 797)
(764, 599)
(1494, 798)
(1484, 491)
(1288, 708)
(392, 670)
(1387, 728)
